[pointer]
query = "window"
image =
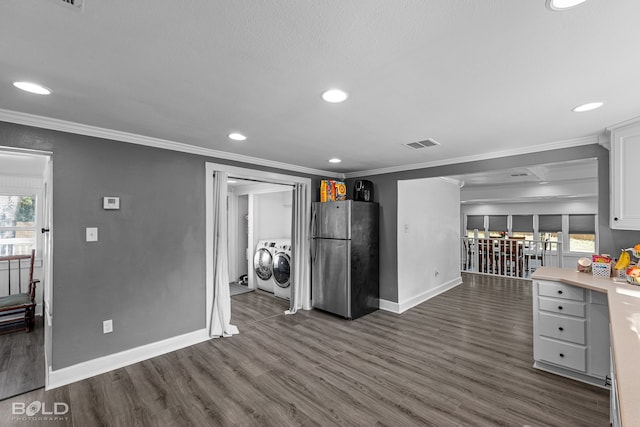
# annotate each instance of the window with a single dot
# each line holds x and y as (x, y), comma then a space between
(497, 225)
(17, 224)
(522, 226)
(475, 222)
(582, 233)
(549, 226)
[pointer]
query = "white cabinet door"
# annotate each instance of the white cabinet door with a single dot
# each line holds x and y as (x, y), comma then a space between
(598, 338)
(625, 177)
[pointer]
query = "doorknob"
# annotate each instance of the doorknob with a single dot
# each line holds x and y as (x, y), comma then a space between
(44, 230)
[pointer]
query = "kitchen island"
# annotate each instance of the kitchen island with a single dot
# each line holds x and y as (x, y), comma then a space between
(624, 319)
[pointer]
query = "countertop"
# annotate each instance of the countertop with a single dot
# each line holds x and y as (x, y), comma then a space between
(624, 317)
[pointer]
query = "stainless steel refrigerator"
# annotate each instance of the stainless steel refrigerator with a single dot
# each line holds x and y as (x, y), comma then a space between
(344, 255)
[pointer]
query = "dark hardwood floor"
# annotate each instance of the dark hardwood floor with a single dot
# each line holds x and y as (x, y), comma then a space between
(21, 361)
(464, 358)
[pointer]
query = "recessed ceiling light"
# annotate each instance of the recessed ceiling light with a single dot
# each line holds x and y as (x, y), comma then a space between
(237, 136)
(543, 182)
(231, 181)
(33, 88)
(335, 95)
(587, 107)
(560, 5)
(334, 160)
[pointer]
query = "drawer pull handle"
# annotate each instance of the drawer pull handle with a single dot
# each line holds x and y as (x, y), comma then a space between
(561, 328)
(561, 354)
(559, 307)
(560, 292)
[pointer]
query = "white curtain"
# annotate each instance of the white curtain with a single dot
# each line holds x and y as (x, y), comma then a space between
(300, 274)
(221, 313)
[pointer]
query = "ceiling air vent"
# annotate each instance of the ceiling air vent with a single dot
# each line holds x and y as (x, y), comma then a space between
(74, 4)
(422, 144)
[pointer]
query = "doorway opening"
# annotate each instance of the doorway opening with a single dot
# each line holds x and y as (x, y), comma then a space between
(25, 215)
(300, 289)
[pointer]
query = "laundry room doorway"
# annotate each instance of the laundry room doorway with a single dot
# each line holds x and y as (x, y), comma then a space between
(278, 215)
(260, 219)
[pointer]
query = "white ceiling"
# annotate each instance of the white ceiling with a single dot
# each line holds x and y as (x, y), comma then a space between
(574, 180)
(481, 77)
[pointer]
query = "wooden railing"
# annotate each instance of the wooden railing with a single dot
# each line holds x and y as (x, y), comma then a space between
(510, 257)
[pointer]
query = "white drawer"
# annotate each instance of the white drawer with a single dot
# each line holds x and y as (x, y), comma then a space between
(571, 308)
(560, 290)
(599, 298)
(564, 354)
(562, 328)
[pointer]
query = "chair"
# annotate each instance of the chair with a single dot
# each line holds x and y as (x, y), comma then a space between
(18, 310)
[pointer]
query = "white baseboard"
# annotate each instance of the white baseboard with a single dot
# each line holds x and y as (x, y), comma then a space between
(403, 306)
(91, 368)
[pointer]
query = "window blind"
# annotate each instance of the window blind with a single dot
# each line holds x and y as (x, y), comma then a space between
(549, 223)
(582, 224)
(522, 223)
(475, 221)
(497, 223)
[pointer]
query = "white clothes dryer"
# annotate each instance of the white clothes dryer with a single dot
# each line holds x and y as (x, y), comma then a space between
(263, 264)
(282, 269)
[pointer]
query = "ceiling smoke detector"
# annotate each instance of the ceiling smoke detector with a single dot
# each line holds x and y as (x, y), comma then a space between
(429, 142)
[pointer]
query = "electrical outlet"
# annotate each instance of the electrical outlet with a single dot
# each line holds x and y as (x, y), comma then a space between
(92, 234)
(107, 326)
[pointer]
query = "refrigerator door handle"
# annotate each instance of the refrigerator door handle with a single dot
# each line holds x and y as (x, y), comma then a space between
(314, 244)
(314, 250)
(313, 223)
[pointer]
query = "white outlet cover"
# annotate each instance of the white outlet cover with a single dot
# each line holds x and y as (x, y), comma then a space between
(92, 234)
(107, 326)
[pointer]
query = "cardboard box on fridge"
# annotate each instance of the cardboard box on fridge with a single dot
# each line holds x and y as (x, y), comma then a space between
(331, 190)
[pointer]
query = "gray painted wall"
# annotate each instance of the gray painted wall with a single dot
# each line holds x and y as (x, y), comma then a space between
(386, 193)
(147, 271)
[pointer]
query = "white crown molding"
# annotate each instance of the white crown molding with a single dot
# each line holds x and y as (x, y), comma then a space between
(486, 156)
(94, 131)
(605, 141)
(632, 121)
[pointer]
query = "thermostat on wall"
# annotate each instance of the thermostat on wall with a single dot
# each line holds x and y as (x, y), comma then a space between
(111, 203)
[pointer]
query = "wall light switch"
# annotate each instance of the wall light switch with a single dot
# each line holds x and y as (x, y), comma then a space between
(107, 326)
(92, 234)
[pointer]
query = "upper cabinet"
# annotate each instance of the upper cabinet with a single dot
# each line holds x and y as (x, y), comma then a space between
(625, 176)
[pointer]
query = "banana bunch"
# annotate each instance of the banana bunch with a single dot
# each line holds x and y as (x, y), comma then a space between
(623, 261)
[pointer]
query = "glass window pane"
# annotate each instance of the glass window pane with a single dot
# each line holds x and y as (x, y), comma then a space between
(17, 242)
(17, 211)
(582, 243)
(527, 236)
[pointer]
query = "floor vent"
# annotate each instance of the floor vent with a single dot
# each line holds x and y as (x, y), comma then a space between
(422, 144)
(73, 4)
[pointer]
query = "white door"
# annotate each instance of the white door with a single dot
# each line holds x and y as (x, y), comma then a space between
(47, 265)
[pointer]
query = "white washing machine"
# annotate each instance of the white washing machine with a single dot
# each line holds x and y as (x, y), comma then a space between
(282, 269)
(263, 264)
